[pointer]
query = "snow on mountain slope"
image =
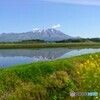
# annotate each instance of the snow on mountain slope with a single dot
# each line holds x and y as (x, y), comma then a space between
(47, 35)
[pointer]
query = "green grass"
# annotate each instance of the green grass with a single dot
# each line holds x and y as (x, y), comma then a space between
(46, 45)
(50, 80)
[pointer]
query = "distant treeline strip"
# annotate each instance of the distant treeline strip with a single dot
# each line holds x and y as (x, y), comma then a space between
(80, 40)
(73, 40)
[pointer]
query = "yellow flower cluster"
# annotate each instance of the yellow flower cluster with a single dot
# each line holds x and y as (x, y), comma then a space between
(89, 73)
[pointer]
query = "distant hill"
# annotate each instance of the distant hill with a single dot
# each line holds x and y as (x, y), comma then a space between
(46, 35)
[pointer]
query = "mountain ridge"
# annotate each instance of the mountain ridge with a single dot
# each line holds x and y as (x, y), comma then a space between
(49, 34)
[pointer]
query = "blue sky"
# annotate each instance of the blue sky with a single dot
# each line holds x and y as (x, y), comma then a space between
(73, 17)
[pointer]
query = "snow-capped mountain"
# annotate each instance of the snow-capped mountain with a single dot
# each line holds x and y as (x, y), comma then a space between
(47, 35)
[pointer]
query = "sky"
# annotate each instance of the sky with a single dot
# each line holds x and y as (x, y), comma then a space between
(73, 17)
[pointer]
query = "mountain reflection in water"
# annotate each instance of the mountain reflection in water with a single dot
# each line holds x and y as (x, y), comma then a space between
(10, 57)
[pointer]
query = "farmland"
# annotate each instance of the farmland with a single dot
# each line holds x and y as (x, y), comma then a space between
(47, 45)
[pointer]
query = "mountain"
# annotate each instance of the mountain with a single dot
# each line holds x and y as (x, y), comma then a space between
(46, 35)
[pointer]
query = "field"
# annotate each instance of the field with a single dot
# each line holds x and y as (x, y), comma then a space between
(47, 45)
(52, 80)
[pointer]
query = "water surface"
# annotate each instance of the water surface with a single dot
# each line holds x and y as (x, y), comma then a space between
(10, 57)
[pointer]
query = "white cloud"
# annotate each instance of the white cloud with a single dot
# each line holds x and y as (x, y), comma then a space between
(35, 29)
(56, 26)
(82, 2)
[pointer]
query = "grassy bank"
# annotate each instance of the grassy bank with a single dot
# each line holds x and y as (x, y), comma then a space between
(46, 45)
(51, 80)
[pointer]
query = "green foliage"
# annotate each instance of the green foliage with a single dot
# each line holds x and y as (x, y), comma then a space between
(75, 40)
(51, 80)
(89, 74)
(32, 45)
